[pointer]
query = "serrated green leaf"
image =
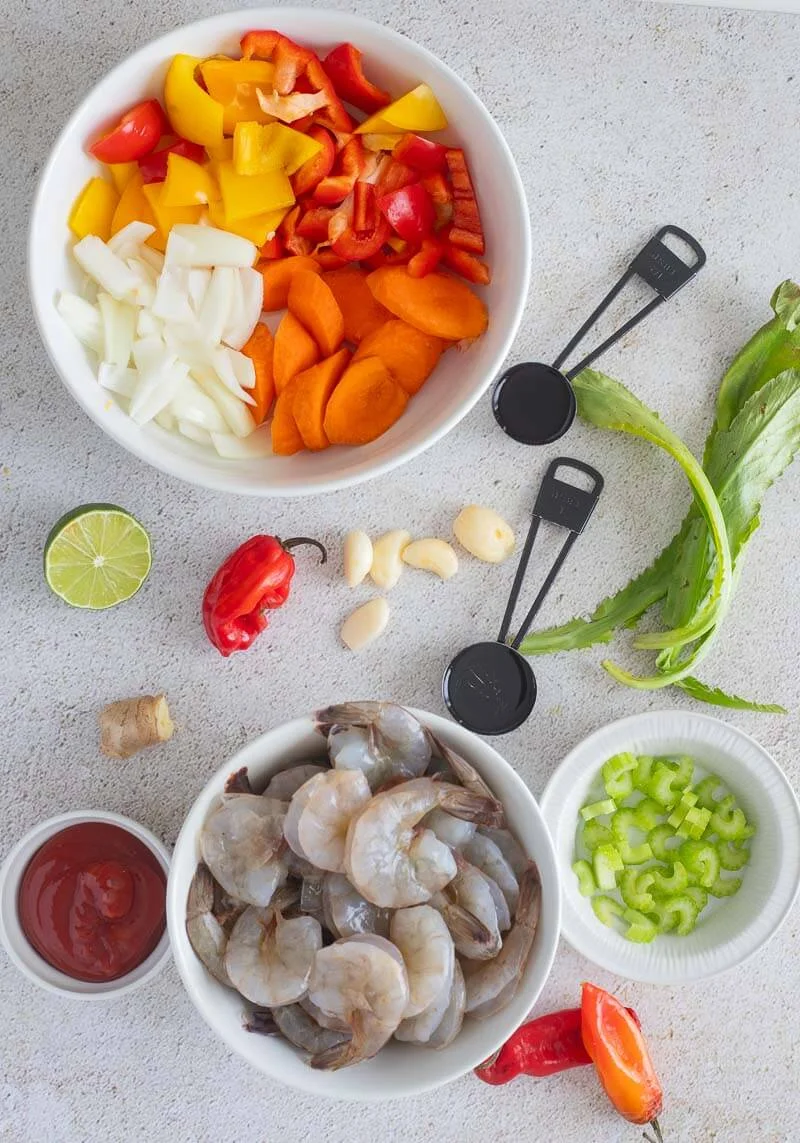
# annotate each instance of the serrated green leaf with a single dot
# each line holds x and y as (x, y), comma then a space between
(717, 697)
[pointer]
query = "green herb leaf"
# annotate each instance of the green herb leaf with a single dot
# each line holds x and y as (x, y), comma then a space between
(717, 697)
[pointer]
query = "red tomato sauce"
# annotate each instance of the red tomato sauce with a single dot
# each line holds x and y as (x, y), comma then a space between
(92, 901)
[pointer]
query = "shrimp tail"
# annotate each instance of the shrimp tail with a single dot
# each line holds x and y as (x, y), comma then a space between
(239, 783)
(466, 774)
(349, 1052)
(201, 892)
(468, 932)
(483, 809)
(345, 714)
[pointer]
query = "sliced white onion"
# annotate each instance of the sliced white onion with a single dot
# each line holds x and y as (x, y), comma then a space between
(243, 318)
(240, 422)
(156, 390)
(232, 328)
(195, 433)
(192, 245)
(243, 368)
(258, 444)
(119, 329)
(109, 271)
(289, 108)
(198, 284)
(166, 420)
(151, 354)
(213, 313)
(223, 366)
(117, 379)
(148, 326)
(192, 405)
(153, 258)
(126, 242)
(172, 296)
(83, 319)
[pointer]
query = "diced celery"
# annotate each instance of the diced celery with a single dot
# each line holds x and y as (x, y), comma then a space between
(694, 824)
(729, 822)
(679, 913)
(622, 823)
(647, 814)
(607, 864)
(705, 791)
(733, 855)
(634, 888)
(617, 776)
(643, 772)
(606, 909)
(586, 882)
(657, 840)
(640, 928)
(597, 809)
(698, 895)
(662, 788)
(673, 884)
(594, 833)
(687, 801)
(701, 862)
(725, 886)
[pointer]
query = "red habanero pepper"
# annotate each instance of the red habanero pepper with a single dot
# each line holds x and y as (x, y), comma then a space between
(153, 167)
(346, 72)
(253, 579)
(542, 1047)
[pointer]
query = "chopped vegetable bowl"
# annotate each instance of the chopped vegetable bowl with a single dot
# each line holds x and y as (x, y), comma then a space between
(639, 908)
(370, 193)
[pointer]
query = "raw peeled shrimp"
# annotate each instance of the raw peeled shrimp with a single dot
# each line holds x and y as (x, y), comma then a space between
(269, 959)
(427, 949)
(242, 844)
(390, 861)
(363, 984)
(452, 831)
(319, 814)
(347, 913)
(450, 1025)
(285, 784)
(206, 934)
(510, 848)
(468, 908)
(500, 903)
(301, 1029)
(491, 985)
(487, 856)
(381, 739)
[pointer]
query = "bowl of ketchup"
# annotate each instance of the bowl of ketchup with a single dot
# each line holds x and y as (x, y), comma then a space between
(83, 904)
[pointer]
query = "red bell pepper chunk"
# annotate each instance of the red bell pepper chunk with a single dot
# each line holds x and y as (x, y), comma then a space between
(312, 172)
(467, 265)
(459, 173)
(346, 73)
(352, 163)
(386, 256)
(314, 223)
(395, 176)
(427, 257)
(466, 240)
(272, 248)
(327, 260)
(355, 247)
(409, 211)
(294, 62)
(153, 167)
(438, 188)
(365, 208)
(287, 231)
(423, 155)
(135, 135)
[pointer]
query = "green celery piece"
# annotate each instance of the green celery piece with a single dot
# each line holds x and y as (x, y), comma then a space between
(694, 824)
(729, 822)
(701, 861)
(617, 777)
(725, 886)
(675, 883)
(733, 855)
(606, 909)
(598, 809)
(705, 791)
(594, 834)
(670, 781)
(634, 888)
(698, 895)
(647, 814)
(688, 800)
(586, 880)
(679, 913)
(606, 863)
(658, 838)
(632, 853)
(716, 697)
(640, 928)
(643, 772)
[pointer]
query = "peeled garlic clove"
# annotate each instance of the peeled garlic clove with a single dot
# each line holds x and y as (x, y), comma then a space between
(357, 557)
(432, 555)
(365, 624)
(484, 534)
(387, 558)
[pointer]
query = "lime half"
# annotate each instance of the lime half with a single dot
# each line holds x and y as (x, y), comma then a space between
(96, 556)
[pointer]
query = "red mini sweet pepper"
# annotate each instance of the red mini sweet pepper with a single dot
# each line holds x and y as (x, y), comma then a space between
(255, 578)
(346, 73)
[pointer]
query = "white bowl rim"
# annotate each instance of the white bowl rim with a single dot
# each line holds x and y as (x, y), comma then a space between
(193, 471)
(176, 905)
(582, 758)
(31, 964)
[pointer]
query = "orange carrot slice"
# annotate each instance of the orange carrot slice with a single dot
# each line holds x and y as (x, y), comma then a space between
(366, 402)
(259, 348)
(312, 390)
(277, 276)
(361, 313)
(437, 304)
(295, 350)
(312, 302)
(409, 354)
(286, 439)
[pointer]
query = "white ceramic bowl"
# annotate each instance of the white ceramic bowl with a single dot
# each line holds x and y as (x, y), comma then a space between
(14, 940)
(400, 1069)
(733, 929)
(397, 64)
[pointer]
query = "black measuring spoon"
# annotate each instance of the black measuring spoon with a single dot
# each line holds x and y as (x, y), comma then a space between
(535, 403)
(490, 687)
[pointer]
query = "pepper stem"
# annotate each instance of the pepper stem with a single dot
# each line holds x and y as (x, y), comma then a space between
(657, 1129)
(297, 541)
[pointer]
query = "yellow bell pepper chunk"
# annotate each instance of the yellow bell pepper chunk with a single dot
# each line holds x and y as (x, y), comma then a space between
(187, 183)
(245, 196)
(417, 110)
(93, 209)
(192, 112)
(134, 207)
(258, 149)
(168, 216)
(257, 229)
(381, 142)
(234, 84)
(122, 173)
(221, 152)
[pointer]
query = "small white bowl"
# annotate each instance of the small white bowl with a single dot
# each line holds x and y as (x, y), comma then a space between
(394, 62)
(16, 943)
(400, 1069)
(733, 929)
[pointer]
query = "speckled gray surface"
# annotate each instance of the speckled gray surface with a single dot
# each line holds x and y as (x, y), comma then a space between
(622, 116)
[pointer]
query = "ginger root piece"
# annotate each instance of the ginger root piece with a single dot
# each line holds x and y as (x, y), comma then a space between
(131, 724)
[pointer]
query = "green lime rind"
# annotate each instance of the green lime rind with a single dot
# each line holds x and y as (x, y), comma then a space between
(96, 556)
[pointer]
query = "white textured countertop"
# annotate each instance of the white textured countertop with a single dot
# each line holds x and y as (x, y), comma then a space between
(622, 116)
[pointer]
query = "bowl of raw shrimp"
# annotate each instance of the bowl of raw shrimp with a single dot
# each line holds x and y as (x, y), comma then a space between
(364, 903)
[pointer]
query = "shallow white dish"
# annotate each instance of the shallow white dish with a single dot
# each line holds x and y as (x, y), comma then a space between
(393, 62)
(400, 1069)
(735, 928)
(14, 940)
